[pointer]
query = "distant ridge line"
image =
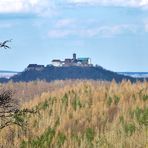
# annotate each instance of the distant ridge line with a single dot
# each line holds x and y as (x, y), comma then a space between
(8, 71)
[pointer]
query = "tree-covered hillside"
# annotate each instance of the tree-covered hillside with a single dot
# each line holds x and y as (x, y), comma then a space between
(79, 114)
(62, 73)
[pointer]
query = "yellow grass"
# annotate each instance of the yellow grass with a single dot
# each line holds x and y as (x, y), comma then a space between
(81, 114)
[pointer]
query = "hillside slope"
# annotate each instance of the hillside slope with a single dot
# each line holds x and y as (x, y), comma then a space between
(62, 73)
(85, 114)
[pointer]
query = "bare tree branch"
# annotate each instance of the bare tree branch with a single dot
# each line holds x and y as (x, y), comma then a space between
(3, 44)
(10, 112)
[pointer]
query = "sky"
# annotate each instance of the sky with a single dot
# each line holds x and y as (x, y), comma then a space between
(113, 33)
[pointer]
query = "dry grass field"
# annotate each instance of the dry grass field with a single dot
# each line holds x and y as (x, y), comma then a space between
(79, 114)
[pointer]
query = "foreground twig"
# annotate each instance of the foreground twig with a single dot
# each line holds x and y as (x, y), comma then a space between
(9, 111)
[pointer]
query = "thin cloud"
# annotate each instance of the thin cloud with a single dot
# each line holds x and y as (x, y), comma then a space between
(40, 7)
(101, 31)
(57, 33)
(65, 23)
(122, 3)
(48, 7)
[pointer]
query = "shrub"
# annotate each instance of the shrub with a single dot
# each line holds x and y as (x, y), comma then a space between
(42, 141)
(19, 120)
(76, 138)
(141, 116)
(23, 144)
(109, 101)
(145, 97)
(90, 134)
(116, 100)
(60, 139)
(43, 105)
(76, 103)
(65, 100)
(129, 128)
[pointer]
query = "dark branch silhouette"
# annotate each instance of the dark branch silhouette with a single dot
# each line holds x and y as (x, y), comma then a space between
(10, 112)
(3, 44)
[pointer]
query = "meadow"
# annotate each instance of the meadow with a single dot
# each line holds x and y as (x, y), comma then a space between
(79, 114)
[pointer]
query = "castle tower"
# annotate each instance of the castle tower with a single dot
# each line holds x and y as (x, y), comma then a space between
(74, 57)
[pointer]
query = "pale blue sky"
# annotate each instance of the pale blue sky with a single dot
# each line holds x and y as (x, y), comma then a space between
(114, 34)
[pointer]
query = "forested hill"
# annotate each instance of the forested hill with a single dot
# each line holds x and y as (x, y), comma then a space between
(61, 73)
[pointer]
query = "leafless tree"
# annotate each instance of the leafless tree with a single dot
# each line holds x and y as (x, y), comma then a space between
(10, 112)
(3, 44)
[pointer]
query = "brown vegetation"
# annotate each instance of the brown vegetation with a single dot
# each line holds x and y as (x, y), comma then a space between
(80, 114)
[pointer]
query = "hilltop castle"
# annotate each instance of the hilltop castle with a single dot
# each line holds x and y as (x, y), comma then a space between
(83, 62)
(72, 62)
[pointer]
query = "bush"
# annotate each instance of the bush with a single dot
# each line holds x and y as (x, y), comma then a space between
(43, 105)
(129, 128)
(65, 100)
(141, 116)
(61, 139)
(18, 119)
(90, 134)
(23, 144)
(42, 141)
(76, 104)
(145, 97)
(116, 100)
(109, 101)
